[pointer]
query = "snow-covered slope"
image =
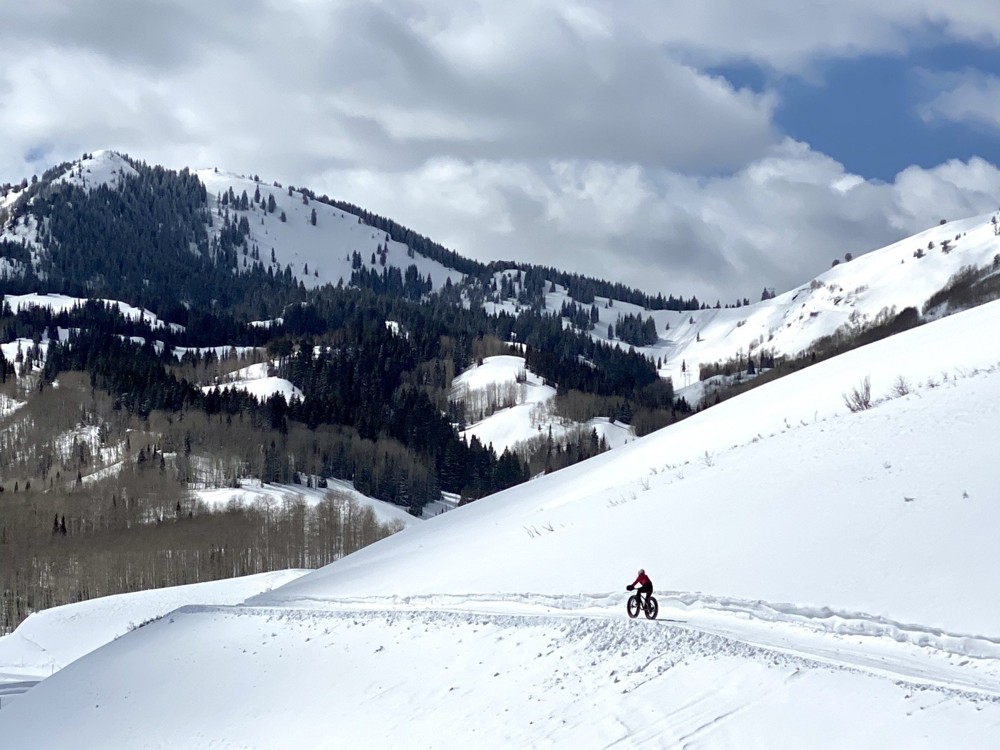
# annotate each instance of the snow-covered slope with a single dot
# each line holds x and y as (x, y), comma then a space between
(833, 572)
(505, 379)
(850, 292)
(255, 380)
(49, 640)
(101, 167)
(59, 303)
(735, 499)
(318, 253)
(251, 492)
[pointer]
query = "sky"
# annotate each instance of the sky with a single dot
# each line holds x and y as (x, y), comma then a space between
(711, 148)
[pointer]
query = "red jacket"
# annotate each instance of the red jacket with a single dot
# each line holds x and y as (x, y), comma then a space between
(642, 580)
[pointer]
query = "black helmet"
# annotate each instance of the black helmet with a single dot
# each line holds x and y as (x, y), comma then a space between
(642, 572)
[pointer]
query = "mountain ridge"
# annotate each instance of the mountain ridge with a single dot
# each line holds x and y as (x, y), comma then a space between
(852, 293)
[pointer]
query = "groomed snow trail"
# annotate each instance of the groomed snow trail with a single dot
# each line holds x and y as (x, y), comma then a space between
(912, 653)
(371, 673)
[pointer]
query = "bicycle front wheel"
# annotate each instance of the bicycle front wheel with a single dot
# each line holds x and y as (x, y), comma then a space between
(633, 606)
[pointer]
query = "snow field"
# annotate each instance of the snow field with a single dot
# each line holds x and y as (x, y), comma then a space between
(251, 492)
(825, 577)
(780, 495)
(286, 678)
(51, 639)
(533, 413)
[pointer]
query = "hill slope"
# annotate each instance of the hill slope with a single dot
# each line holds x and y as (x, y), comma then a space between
(242, 222)
(734, 499)
(852, 293)
(825, 564)
(318, 252)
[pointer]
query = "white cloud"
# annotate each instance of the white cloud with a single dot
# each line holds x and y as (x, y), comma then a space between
(790, 38)
(778, 222)
(580, 134)
(389, 85)
(971, 96)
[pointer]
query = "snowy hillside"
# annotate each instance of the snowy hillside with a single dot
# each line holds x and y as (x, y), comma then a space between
(505, 379)
(255, 380)
(318, 253)
(59, 303)
(251, 492)
(101, 167)
(825, 580)
(49, 640)
(853, 292)
(785, 468)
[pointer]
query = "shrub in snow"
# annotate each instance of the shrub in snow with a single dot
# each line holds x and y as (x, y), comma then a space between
(859, 398)
(901, 387)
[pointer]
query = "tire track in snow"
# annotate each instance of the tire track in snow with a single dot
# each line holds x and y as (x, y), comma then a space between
(917, 653)
(671, 643)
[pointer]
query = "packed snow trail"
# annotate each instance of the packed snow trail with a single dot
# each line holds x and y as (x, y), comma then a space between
(285, 677)
(905, 652)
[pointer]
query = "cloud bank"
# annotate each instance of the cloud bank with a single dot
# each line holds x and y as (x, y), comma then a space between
(589, 136)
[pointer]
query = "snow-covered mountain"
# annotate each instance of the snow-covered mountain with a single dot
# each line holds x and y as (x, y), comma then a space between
(286, 229)
(318, 252)
(283, 233)
(812, 562)
(102, 167)
(824, 577)
(887, 280)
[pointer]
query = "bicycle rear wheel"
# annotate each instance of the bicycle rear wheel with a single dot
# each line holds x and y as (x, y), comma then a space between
(633, 606)
(652, 607)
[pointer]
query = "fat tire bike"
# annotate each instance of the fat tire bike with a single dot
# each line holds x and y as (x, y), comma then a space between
(650, 607)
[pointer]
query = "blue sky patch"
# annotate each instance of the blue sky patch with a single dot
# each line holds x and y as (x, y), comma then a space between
(865, 112)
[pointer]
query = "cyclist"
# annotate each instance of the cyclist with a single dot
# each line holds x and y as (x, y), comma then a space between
(645, 586)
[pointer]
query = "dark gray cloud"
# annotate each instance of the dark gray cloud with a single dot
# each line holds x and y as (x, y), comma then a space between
(154, 34)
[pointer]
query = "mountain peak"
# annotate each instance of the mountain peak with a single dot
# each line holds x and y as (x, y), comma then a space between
(101, 167)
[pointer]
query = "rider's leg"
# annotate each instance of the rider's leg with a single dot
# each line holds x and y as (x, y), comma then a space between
(648, 591)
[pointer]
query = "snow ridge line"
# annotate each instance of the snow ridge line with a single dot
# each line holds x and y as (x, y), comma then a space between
(626, 644)
(817, 619)
(829, 620)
